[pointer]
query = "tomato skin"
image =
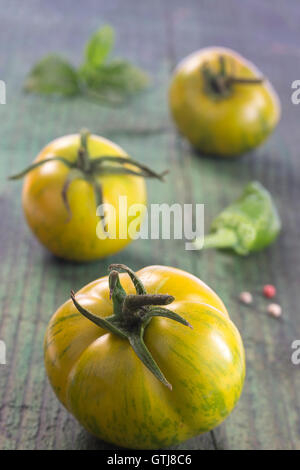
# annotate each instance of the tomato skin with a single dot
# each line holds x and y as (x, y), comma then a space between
(101, 381)
(225, 126)
(47, 216)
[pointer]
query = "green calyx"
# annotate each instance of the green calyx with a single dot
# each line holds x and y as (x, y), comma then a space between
(249, 224)
(219, 84)
(132, 314)
(89, 169)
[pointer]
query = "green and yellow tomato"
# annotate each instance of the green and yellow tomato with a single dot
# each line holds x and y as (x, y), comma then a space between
(221, 103)
(137, 373)
(70, 177)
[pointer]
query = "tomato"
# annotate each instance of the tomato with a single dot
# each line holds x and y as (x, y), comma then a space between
(220, 103)
(132, 372)
(60, 196)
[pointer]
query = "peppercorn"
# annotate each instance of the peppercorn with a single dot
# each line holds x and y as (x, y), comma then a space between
(246, 297)
(269, 291)
(274, 310)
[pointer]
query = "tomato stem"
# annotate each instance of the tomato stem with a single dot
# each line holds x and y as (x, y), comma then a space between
(132, 314)
(90, 169)
(219, 83)
(140, 289)
(83, 158)
(222, 238)
(20, 175)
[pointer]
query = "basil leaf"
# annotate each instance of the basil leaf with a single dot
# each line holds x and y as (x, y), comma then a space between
(104, 81)
(114, 81)
(99, 46)
(52, 75)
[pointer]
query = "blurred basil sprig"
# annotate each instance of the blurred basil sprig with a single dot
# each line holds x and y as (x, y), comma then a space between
(111, 81)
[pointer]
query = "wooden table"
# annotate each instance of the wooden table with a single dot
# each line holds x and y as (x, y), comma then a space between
(33, 284)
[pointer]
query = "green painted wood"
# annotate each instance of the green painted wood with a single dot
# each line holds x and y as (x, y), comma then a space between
(33, 283)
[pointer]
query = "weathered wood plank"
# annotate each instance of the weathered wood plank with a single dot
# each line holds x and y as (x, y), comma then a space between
(33, 284)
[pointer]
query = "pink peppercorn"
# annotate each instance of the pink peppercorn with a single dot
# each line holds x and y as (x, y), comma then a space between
(269, 291)
(274, 310)
(246, 297)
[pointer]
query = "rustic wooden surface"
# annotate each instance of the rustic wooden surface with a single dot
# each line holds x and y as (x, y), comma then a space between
(33, 284)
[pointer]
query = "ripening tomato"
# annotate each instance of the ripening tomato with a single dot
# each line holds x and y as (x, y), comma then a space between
(136, 373)
(221, 103)
(71, 177)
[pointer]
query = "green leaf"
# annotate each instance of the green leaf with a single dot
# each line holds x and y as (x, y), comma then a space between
(99, 46)
(52, 75)
(111, 82)
(115, 81)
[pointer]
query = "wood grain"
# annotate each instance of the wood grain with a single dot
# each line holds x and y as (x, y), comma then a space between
(33, 284)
